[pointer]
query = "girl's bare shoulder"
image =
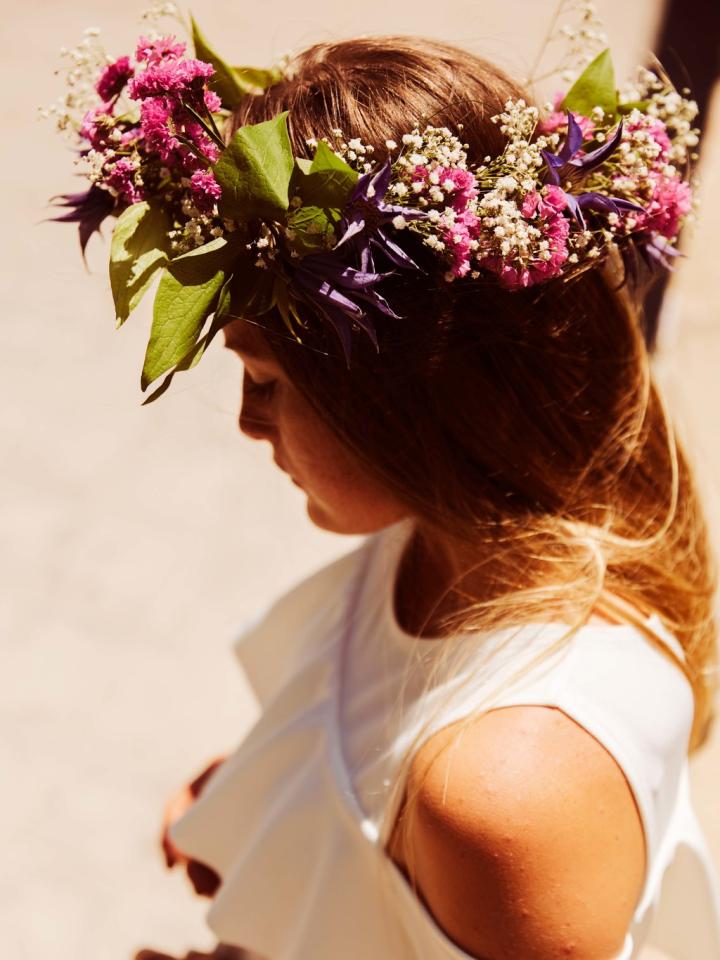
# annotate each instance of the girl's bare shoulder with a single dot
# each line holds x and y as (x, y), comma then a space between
(529, 816)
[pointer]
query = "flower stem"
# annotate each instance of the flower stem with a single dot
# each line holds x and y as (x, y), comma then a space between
(212, 133)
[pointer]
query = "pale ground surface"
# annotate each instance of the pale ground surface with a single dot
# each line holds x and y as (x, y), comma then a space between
(136, 540)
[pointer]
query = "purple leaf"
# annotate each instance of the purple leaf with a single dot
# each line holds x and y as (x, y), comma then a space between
(574, 139)
(393, 252)
(88, 210)
(553, 163)
(354, 226)
(595, 158)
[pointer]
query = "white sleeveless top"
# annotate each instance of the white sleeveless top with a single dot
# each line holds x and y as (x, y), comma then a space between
(296, 820)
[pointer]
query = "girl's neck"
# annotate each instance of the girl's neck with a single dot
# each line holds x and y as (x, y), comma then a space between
(438, 577)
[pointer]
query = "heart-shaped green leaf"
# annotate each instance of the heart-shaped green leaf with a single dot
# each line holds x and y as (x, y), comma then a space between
(595, 87)
(229, 85)
(312, 228)
(191, 358)
(630, 105)
(257, 78)
(186, 296)
(327, 181)
(139, 248)
(254, 171)
(249, 292)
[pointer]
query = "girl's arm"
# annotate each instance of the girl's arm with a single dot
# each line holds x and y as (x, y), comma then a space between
(526, 840)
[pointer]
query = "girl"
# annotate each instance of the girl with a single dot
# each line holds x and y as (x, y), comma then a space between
(475, 727)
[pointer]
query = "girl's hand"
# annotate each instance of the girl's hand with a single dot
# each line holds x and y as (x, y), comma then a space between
(223, 951)
(204, 880)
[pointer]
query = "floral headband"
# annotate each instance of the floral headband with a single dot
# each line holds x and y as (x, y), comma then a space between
(236, 229)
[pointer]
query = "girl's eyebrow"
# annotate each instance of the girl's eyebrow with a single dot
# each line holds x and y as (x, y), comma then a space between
(237, 342)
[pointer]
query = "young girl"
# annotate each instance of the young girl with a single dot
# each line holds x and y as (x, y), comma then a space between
(475, 727)
(511, 460)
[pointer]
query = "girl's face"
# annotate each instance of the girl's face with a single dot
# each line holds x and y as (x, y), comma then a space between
(341, 495)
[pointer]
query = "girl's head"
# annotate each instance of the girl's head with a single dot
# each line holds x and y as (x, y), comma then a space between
(525, 425)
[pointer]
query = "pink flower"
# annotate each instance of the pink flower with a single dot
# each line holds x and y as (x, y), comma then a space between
(530, 204)
(658, 132)
(212, 101)
(548, 204)
(557, 120)
(458, 239)
(155, 115)
(113, 78)
(96, 126)
(464, 186)
(160, 120)
(456, 184)
(154, 51)
(553, 200)
(205, 190)
(120, 179)
(545, 210)
(176, 78)
(669, 204)
(195, 133)
(130, 136)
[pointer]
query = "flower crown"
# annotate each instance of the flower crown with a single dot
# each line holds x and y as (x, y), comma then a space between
(236, 229)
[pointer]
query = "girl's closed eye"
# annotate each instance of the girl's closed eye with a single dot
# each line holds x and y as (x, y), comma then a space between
(257, 387)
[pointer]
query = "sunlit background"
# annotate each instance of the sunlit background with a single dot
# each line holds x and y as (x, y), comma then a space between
(136, 540)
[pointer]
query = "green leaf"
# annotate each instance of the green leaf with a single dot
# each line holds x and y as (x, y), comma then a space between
(186, 296)
(191, 358)
(139, 248)
(254, 171)
(256, 78)
(286, 307)
(229, 85)
(313, 227)
(249, 293)
(595, 87)
(327, 181)
(641, 105)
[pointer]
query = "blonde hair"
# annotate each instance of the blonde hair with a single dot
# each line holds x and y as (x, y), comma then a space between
(528, 425)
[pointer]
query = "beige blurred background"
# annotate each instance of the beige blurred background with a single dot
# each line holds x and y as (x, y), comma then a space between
(135, 541)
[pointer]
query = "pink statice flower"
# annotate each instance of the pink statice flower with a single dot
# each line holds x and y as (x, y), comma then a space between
(160, 118)
(194, 132)
(669, 204)
(176, 78)
(121, 179)
(154, 51)
(97, 125)
(155, 116)
(212, 101)
(557, 120)
(204, 190)
(113, 79)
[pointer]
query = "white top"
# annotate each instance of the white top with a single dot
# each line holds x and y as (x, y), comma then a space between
(296, 820)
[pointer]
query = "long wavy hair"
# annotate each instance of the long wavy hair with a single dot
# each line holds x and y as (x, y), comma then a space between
(525, 424)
